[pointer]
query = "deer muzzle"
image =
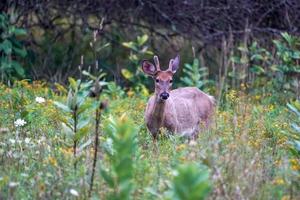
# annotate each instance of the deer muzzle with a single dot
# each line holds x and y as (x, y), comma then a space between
(164, 96)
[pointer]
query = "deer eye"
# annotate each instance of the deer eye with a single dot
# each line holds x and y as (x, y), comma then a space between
(157, 80)
(171, 81)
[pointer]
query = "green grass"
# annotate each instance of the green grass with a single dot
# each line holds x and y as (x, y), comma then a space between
(245, 153)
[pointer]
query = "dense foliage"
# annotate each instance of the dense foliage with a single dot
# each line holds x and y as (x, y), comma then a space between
(251, 151)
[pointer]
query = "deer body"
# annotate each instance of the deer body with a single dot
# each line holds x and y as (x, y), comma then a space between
(182, 114)
(180, 111)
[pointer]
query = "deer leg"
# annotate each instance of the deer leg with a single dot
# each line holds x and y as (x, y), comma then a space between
(195, 133)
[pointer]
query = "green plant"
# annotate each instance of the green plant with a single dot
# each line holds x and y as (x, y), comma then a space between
(121, 147)
(294, 144)
(195, 75)
(113, 90)
(191, 182)
(96, 91)
(295, 138)
(138, 50)
(277, 65)
(76, 122)
(11, 50)
(288, 54)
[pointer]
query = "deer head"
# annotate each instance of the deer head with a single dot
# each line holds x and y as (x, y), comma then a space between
(162, 79)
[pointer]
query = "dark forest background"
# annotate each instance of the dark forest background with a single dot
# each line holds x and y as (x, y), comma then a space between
(62, 38)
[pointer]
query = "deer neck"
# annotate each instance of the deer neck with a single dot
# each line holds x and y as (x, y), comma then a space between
(158, 112)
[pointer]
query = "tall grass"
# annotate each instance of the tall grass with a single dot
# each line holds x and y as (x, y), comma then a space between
(245, 155)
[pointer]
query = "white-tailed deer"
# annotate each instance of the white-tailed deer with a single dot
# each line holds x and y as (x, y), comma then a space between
(180, 111)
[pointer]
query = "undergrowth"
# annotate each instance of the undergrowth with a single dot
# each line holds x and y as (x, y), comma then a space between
(245, 155)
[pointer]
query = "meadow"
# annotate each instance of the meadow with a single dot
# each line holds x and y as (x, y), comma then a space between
(245, 155)
(73, 96)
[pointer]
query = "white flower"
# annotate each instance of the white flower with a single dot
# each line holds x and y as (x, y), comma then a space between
(74, 192)
(40, 100)
(13, 184)
(20, 122)
(27, 140)
(12, 141)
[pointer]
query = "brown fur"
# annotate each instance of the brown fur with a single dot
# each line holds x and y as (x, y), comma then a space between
(182, 110)
(181, 113)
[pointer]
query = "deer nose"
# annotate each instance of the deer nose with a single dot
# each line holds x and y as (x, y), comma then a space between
(164, 95)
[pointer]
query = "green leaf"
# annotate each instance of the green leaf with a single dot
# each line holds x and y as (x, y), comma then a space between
(17, 31)
(73, 83)
(81, 133)
(292, 108)
(86, 73)
(102, 47)
(257, 69)
(235, 59)
(257, 57)
(296, 55)
(62, 106)
(84, 145)
(142, 40)
(66, 129)
(18, 68)
(127, 74)
(296, 127)
(21, 52)
(243, 49)
(288, 38)
(108, 179)
(191, 182)
(130, 45)
(6, 46)
(82, 123)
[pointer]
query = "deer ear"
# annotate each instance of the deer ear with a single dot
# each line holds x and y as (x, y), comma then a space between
(148, 68)
(174, 64)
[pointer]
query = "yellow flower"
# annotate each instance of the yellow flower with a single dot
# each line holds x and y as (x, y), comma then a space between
(130, 93)
(257, 97)
(42, 187)
(295, 164)
(271, 107)
(67, 151)
(286, 197)
(278, 181)
(277, 163)
(180, 147)
(52, 161)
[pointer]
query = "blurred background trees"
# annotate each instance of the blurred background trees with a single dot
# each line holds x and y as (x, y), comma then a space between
(234, 42)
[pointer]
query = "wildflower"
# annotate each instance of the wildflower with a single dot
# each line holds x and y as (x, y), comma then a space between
(278, 181)
(13, 184)
(40, 100)
(295, 164)
(42, 187)
(20, 122)
(257, 97)
(180, 147)
(12, 141)
(285, 197)
(27, 140)
(74, 192)
(52, 161)
(67, 151)
(130, 93)
(278, 163)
